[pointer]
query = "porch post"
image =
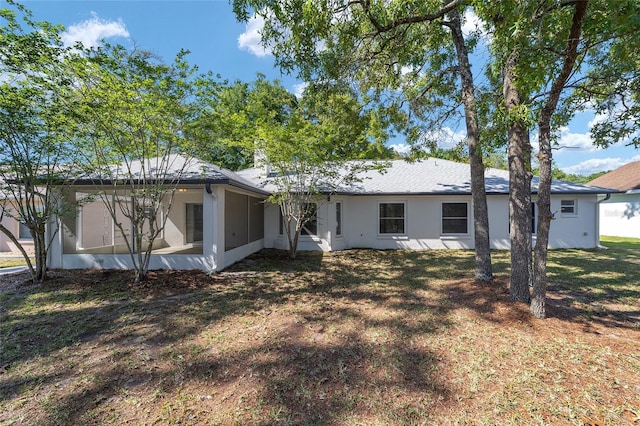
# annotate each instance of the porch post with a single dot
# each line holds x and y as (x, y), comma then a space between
(209, 223)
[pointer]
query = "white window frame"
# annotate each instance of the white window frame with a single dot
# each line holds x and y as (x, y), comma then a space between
(442, 218)
(404, 218)
(574, 208)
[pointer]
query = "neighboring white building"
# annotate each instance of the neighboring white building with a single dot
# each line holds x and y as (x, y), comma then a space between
(620, 212)
(8, 213)
(220, 217)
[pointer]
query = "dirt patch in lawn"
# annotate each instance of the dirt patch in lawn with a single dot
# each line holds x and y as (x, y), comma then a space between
(357, 337)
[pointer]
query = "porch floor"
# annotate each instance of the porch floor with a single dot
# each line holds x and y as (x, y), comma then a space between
(195, 248)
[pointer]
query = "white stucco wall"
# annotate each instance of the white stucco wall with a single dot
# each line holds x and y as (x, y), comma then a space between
(423, 224)
(575, 231)
(175, 229)
(620, 215)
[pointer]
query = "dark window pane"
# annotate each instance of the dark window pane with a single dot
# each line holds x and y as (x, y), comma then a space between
(392, 210)
(454, 218)
(567, 206)
(194, 223)
(392, 226)
(454, 210)
(454, 226)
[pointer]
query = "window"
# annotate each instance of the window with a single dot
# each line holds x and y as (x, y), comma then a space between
(194, 223)
(568, 207)
(338, 218)
(24, 233)
(309, 215)
(391, 218)
(455, 218)
(281, 224)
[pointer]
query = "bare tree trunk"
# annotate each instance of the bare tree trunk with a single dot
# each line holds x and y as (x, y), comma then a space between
(545, 156)
(519, 153)
(484, 270)
(40, 248)
(544, 225)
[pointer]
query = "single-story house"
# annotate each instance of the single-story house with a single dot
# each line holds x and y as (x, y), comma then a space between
(620, 212)
(219, 217)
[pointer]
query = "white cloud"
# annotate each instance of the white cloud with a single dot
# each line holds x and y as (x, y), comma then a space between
(595, 165)
(401, 148)
(446, 138)
(471, 23)
(597, 119)
(92, 31)
(580, 141)
(299, 88)
(251, 38)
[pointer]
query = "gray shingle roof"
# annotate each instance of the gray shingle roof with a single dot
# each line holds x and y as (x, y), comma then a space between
(431, 176)
(176, 167)
(426, 176)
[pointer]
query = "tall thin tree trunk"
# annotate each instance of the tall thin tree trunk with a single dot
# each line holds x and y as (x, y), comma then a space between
(484, 270)
(544, 224)
(519, 153)
(544, 139)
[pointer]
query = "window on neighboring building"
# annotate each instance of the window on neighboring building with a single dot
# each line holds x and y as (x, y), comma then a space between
(338, 218)
(310, 219)
(24, 233)
(194, 223)
(455, 218)
(568, 207)
(391, 218)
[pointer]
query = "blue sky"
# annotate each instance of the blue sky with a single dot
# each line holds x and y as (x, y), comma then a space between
(220, 44)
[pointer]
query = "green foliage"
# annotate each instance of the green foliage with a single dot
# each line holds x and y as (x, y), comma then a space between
(611, 85)
(238, 115)
(35, 154)
(305, 143)
(604, 79)
(133, 106)
(558, 174)
(386, 49)
(234, 115)
(133, 112)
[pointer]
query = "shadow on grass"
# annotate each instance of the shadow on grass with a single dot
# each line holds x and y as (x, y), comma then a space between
(600, 286)
(324, 349)
(303, 342)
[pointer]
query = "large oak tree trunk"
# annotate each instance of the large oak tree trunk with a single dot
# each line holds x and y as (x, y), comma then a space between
(519, 153)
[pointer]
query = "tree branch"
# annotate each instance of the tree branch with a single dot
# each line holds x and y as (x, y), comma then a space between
(427, 17)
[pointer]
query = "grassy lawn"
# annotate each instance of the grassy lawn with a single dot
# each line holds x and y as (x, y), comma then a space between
(358, 337)
(7, 262)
